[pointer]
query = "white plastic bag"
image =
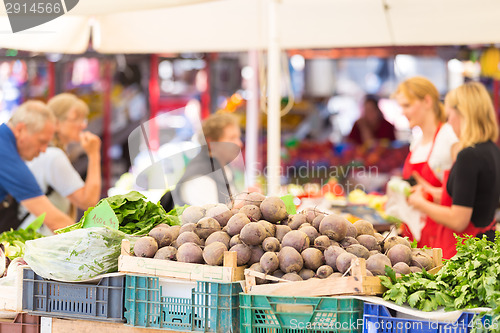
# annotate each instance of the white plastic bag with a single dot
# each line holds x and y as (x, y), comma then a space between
(397, 206)
(76, 255)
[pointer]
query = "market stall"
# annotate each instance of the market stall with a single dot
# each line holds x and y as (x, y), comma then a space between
(287, 271)
(207, 288)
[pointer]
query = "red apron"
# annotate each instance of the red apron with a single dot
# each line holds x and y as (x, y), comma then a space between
(428, 235)
(445, 238)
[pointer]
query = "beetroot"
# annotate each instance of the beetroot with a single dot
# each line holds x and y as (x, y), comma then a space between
(295, 221)
(253, 233)
(273, 209)
(190, 253)
(313, 258)
(324, 271)
(399, 253)
(192, 214)
(271, 244)
(310, 231)
(296, 239)
(290, 260)
(218, 236)
(331, 255)
(236, 223)
(213, 254)
(334, 226)
(206, 226)
(269, 262)
(243, 253)
(252, 212)
(221, 213)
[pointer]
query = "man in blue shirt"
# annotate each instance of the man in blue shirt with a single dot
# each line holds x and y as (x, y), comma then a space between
(28, 133)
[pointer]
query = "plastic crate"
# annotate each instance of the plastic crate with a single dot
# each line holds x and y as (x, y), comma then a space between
(23, 323)
(379, 319)
(213, 306)
(288, 314)
(102, 301)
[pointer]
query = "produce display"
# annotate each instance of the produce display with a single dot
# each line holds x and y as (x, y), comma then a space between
(382, 155)
(269, 240)
(468, 280)
(315, 190)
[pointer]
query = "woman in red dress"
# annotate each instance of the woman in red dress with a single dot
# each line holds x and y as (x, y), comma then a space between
(472, 191)
(431, 152)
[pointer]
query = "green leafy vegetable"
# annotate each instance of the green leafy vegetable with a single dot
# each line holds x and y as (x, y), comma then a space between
(414, 244)
(13, 240)
(470, 279)
(136, 215)
(78, 255)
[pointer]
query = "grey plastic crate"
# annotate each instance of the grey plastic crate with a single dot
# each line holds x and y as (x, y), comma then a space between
(102, 301)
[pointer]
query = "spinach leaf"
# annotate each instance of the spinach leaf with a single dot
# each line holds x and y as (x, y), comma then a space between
(136, 215)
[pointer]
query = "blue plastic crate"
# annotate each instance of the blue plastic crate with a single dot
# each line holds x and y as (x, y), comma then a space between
(102, 301)
(289, 314)
(213, 306)
(378, 319)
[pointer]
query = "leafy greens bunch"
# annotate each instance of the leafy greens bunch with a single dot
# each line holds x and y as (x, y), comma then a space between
(470, 279)
(136, 215)
(14, 240)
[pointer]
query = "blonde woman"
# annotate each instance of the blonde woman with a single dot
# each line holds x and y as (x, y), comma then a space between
(472, 190)
(53, 169)
(208, 178)
(430, 153)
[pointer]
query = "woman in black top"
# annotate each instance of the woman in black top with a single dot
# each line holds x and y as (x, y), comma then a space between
(472, 192)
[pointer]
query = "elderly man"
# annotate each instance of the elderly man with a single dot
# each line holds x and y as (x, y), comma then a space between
(27, 134)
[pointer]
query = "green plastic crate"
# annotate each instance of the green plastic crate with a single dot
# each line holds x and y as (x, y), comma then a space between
(288, 314)
(213, 306)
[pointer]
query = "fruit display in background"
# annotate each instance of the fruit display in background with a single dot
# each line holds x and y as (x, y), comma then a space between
(317, 162)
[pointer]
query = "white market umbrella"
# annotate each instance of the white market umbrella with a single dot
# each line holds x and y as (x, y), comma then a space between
(71, 32)
(156, 26)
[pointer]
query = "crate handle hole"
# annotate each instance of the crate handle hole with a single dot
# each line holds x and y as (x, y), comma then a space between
(294, 308)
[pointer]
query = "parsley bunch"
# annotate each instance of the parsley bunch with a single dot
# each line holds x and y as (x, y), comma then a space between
(473, 274)
(420, 290)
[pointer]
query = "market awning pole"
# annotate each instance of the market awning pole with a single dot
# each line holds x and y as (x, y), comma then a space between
(273, 103)
(252, 123)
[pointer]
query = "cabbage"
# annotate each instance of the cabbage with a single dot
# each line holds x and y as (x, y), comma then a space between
(76, 255)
